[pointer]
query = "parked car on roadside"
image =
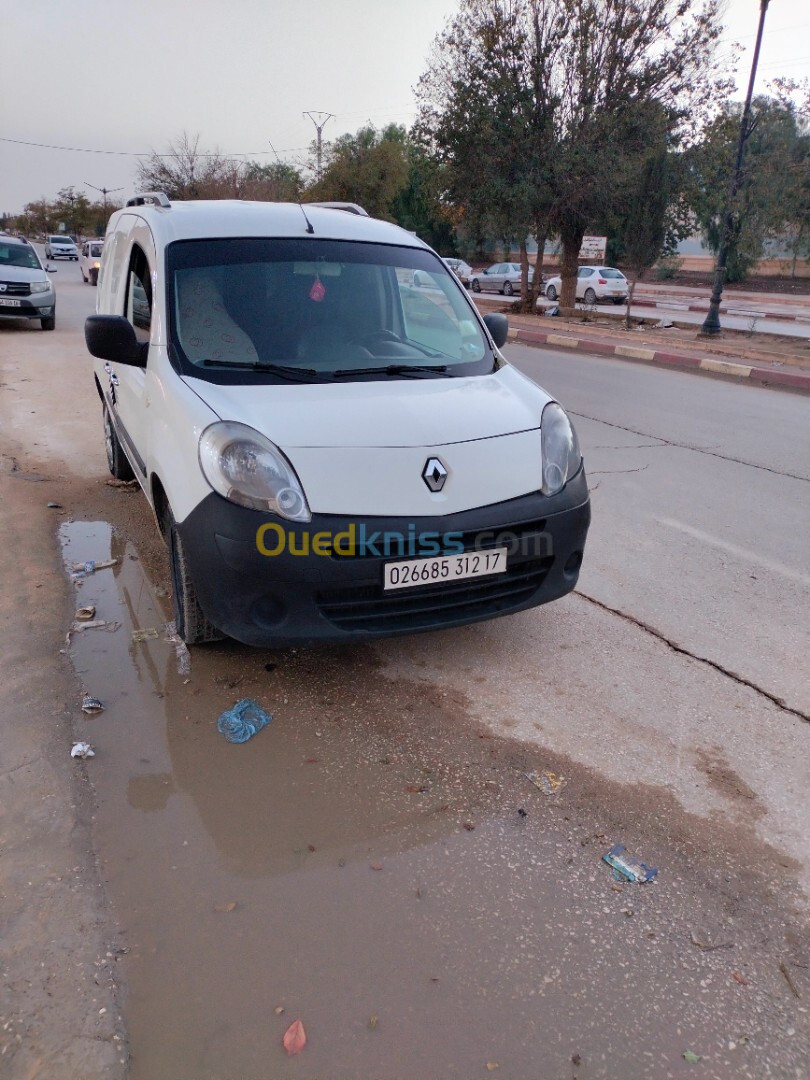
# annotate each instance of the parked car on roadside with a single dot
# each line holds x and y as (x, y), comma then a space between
(594, 283)
(331, 452)
(26, 291)
(90, 262)
(500, 277)
(61, 247)
(462, 270)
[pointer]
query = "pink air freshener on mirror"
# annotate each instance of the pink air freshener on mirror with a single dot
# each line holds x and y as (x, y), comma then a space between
(317, 292)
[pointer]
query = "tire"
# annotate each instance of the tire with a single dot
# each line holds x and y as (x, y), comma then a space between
(507, 288)
(48, 324)
(94, 277)
(475, 286)
(618, 300)
(192, 625)
(117, 461)
(589, 297)
(551, 293)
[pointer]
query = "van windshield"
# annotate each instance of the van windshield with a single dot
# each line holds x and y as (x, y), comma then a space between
(312, 310)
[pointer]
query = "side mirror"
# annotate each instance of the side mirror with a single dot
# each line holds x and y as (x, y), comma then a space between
(112, 337)
(50, 269)
(498, 326)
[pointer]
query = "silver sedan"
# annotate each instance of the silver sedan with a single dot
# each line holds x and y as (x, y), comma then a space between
(500, 277)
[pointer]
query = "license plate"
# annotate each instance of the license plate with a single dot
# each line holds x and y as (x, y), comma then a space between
(10, 303)
(444, 568)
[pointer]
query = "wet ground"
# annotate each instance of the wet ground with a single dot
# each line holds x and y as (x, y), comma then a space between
(377, 862)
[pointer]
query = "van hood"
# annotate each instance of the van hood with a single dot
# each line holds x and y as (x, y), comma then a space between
(386, 413)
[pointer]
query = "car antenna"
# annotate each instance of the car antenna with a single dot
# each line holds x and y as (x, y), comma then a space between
(306, 219)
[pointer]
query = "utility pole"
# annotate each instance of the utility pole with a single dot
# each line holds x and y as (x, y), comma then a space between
(320, 124)
(711, 324)
(72, 199)
(105, 191)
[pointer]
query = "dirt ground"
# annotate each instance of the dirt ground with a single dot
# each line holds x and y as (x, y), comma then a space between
(759, 283)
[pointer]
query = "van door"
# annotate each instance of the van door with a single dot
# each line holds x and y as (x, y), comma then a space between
(128, 385)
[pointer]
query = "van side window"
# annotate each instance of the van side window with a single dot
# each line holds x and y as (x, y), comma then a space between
(139, 295)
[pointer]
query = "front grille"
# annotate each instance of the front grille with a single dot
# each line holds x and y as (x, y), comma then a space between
(371, 609)
(15, 288)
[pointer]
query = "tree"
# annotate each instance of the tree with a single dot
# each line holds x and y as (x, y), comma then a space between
(615, 62)
(186, 172)
(369, 168)
(773, 197)
(486, 111)
(277, 182)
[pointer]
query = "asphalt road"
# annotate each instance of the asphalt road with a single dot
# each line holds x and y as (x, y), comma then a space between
(376, 862)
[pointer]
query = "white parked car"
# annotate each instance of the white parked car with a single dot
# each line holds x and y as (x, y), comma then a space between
(90, 262)
(500, 277)
(462, 270)
(330, 452)
(594, 283)
(61, 247)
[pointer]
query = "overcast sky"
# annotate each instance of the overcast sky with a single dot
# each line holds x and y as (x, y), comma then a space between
(109, 75)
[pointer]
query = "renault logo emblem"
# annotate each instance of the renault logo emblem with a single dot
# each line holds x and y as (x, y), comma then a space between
(434, 474)
(3, 287)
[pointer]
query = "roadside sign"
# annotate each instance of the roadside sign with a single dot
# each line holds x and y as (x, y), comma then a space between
(594, 249)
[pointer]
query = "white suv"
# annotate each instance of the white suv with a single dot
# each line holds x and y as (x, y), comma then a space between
(330, 452)
(61, 247)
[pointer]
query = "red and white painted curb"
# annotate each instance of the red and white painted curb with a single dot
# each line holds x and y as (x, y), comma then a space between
(794, 379)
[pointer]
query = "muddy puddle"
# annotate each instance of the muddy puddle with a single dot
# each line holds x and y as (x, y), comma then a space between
(376, 865)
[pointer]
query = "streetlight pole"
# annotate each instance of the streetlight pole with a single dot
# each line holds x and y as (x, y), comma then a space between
(711, 324)
(105, 191)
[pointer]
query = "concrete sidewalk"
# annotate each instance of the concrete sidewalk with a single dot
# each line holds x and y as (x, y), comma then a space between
(729, 360)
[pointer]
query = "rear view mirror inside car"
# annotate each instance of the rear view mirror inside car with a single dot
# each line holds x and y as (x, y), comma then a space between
(317, 269)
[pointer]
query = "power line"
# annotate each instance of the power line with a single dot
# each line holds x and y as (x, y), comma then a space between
(146, 153)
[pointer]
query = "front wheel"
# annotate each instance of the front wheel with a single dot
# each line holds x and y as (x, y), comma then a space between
(507, 288)
(117, 460)
(94, 277)
(48, 324)
(475, 285)
(192, 625)
(590, 297)
(551, 293)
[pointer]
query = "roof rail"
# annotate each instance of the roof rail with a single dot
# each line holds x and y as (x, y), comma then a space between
(150, 198)
(349, 207)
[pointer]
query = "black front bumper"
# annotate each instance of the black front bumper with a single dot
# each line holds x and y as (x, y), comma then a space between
(27, 310)
(286, 599)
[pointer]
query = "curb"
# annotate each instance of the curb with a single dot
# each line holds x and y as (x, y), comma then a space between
(768, 376)
(676, 305)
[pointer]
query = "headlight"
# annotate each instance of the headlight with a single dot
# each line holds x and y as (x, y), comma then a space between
(559, 447)
(244, 467)
(41, 286)
(96, 265)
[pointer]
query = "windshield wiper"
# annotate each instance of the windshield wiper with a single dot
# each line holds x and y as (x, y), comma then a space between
(285, 371)
(393, 369)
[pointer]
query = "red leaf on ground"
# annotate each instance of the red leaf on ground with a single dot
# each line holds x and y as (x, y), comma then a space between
(375, 866)
(741, 979)
(415, 788)
(468, 825)
(295, 1038)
